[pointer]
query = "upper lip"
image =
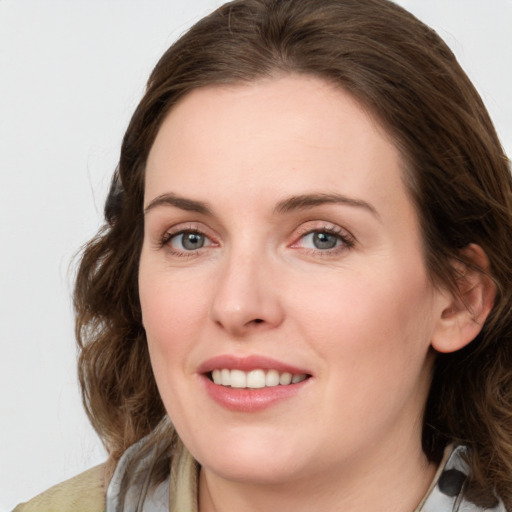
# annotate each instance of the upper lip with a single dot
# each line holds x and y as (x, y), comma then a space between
(248, 363)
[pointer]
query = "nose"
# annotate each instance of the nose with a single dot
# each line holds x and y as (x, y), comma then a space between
(247, 296)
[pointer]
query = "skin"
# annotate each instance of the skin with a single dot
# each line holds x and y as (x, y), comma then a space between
(360, 317)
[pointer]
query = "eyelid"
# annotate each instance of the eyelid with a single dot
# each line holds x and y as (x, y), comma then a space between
(186, 227)
(346, 237)
(169, 237)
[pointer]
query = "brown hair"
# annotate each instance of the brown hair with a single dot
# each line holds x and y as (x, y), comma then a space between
(457, 174)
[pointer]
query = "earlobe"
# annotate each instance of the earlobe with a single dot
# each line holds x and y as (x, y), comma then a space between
(463, 314)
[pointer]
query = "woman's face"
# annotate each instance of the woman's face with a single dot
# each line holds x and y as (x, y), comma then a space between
(279, 239)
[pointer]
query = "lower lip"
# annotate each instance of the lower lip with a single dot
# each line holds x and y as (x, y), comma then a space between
(251, 400)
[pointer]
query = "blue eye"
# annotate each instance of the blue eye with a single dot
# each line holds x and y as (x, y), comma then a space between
(188, 241)
(324, 240)
(321, 240)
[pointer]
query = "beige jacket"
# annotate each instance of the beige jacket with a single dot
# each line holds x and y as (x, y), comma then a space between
(82, 493)
(88, 491)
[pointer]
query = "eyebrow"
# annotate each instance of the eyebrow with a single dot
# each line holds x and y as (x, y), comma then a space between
(189, 205)
(306, 201)
(301, 202)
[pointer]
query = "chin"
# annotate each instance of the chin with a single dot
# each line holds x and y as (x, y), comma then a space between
(251, 458)
(257, 472)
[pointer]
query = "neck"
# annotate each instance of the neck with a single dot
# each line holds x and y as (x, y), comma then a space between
(385, 481)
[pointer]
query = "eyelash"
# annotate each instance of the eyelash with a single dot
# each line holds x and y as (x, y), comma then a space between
(345, 239)
(166, 239)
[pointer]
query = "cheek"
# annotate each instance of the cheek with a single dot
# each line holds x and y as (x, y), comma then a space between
(168, 303)
(369, 318)
(172, 315)
(171, 320)
(374, 335)
(167, 312)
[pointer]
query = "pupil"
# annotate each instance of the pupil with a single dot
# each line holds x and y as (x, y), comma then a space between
(324, 241)
(193, 241)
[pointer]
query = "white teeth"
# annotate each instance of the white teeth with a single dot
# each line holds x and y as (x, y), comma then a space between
(225, 377)
(238, 379)
(285, 379)
(255, 379)
(272, 378)
(216, 376)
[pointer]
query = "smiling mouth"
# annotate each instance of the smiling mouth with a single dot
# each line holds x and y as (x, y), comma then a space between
(254, 379)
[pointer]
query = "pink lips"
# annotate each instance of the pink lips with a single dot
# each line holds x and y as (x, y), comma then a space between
(247, 364)
(249, 400)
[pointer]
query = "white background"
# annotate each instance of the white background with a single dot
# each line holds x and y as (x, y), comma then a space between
(71, 73)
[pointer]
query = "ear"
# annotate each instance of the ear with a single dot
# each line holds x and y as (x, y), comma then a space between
(463, 315)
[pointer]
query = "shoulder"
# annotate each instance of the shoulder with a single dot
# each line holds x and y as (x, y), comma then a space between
(84, 492)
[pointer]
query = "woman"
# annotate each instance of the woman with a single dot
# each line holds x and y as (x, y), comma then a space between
(301, 297)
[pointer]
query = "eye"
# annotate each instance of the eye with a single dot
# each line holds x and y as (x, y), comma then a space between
(321, 240)
(328, 240)
(186, 241)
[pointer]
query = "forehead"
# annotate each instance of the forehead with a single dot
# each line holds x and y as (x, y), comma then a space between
(292, 132)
